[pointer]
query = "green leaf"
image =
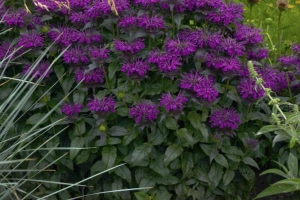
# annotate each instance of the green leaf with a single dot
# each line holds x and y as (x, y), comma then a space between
(250, 161)
(112, 69)
(158, 166)
(207, 148)
(172, 152)
(129, 138)
(194, 119)
(268, 128)
(162, 194)
(171, 123)
(177, 19)
(247, 173)
(221, 160)
(275, 171)
(168, 180)
(79, 128)
(67, 84)
(141, 196)
(124, 173)
(82, 157)
(35, 118)
(147, 182)
(187, 164)
(77, 142)
(292, 164)
(78, 97)
(122, 111)
(113, 141)
(158, 136)
(140, 153)
(186, 137)
(118, 131)
(278, 188)
(109, 155)
(215, 175)
(228, 176)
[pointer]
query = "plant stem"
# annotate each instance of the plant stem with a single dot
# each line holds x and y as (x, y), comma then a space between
(289, 86)
(278, 32)
(173, 24)
(106, 79)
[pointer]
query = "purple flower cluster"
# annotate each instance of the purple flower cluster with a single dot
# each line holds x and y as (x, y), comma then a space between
(171, 104)
(144, 112)
(71, 110)
(151, 24)
(75, 55)
(41, 69)
(199, 85)
(102, 107)
(222, 63)
(135, 70)
(93, 77)
(248, 35)
(32, 39)
(179, 48)
(249, 90)
(166, 62)
(226, 119)
(129, 47)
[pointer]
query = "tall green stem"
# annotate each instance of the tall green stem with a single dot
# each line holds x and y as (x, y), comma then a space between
(278, 34)
(289, 86)
(106, 78)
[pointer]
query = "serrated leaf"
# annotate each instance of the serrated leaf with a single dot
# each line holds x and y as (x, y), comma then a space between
(77, 142)
(250, 161)
(140, 153)
(215, 175)
(118, 131)
(79, 128)
(112, 69)
(292, 164)
(141, 196)
(171, 123)
(221, 160)
(158, 166)
(177, 19)
(82, 157)
(172, 152)
(247, 173)
(187, 164)
(113, 141)
(109, 155)
(35, 118)
(124, 173)
(207, 148)
(162, 193)
(147, 182)
(228, 176)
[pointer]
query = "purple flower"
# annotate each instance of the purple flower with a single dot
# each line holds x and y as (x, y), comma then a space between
(64, 35)
(249, 90)
(251, 143)
(146, 3)
(79, 4)
(167, 63)
(248, 35)
(32, 39)
(197, 37)
(222, 63)
(135, 70)
(273, 78)
(93, 77)
(226, 119)
(129, 47)
(179, 48)
(102, 107)
(89, 36)
(6, 49)
(151, 24)
(173, 105)
(71, 110)
(199, 85)
(178, 6)
(296, 48)
(232, 47)
(144, 112)
(41, 69)
(128, 21)
(227, 13)
(98, 54)
(15, 18)
(100, 8)
(78, 17)
(208, 4)
(75, 55)
(257, 54)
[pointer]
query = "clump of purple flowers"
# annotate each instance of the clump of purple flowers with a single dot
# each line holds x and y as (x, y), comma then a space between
(41, 69)
(172, 104)
(199, 85)
(102, 107)
(249, 90)
(135, 70)
(225, 119)
(32, 39)
(93, 77)
(71, 110)
(129, 47)
(144, 112)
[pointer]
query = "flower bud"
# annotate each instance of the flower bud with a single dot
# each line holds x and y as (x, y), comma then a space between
(45, 29)
(102, 127)
(282, 4)
(121, 94)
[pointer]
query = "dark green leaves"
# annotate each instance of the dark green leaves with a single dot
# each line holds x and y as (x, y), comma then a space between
(140, 155)
(172, 152)
(109, 155)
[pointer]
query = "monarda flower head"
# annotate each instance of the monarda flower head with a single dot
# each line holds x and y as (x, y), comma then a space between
(102, 107)
(179, 48)
(129, 47)
(89, 36)
(75, 55)
(199, 86)
(225, 119)
(222, 63)
(41, 69)
(144, 112)
(127, 21)
(151, 24)
(248, 89)
(64, 35)
(31, 39)
(172, 104)
(98, 54)
(14, 18)
(248, 35)
(92, 78)
(71, 110)
(251, 143)
(136, 70)
(167, 63)
(146, 3)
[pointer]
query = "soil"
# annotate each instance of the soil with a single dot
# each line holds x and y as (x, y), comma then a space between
(262, 182)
